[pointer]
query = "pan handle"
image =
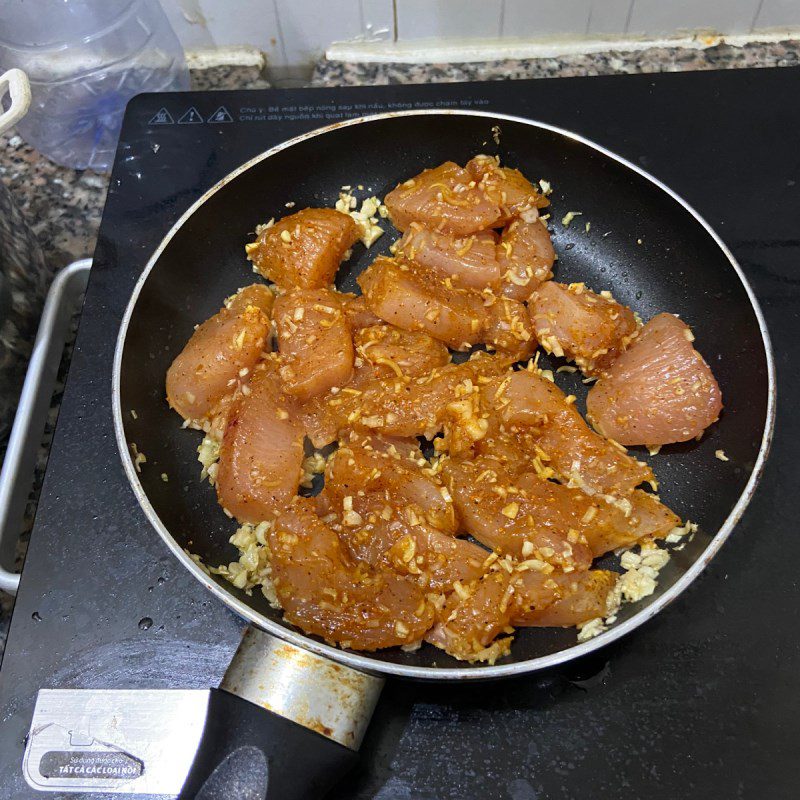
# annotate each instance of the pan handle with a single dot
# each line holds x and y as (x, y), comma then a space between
(34, 404)
(285, 723)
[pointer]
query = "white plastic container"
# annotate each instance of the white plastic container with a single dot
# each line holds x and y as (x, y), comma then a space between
(85, 59)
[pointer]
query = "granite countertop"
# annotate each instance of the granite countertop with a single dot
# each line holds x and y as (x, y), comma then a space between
(64, 206)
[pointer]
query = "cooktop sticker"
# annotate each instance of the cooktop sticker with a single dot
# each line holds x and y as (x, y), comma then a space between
(161, 117)
(220, 115)
(191, 117)
(113, 741)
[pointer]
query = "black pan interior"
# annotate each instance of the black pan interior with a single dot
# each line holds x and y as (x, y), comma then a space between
(642, 245)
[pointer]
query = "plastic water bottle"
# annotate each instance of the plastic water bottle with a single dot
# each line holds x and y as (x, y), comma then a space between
(85, 59)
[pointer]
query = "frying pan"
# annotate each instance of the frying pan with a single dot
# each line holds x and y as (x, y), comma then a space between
(644, 243)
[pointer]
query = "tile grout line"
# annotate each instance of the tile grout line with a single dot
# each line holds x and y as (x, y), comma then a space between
(628, 17)
(756, 15)
(280, 32)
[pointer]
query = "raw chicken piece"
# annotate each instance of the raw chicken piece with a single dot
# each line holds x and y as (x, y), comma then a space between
(257, 294)
(589, 329)
(409, 406)
(658, 392)
(327, 594)
(471, 261)
(603, 524)
(222, 351)
(356, 312)
(531, 411)
(443, 200)
(508, 187)
(262, 449)
(579, 597)
(508, 328)
(514, 265)
(534, 521)
(391, 351)
(474, 616)
(385, 534)
(304, 250)
(406, 296)
(374, 466)
(525, 256)
(416, 299)
(314, 341)
(436, 559)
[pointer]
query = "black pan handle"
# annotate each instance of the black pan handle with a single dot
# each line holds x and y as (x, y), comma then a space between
(249, 753)
(285, 724)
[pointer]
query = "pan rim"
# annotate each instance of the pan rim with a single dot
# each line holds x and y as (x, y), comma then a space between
(374, 664)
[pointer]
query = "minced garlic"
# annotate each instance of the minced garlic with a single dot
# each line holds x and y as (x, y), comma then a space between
(569, 216)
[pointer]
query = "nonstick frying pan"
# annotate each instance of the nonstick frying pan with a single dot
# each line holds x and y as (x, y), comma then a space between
(645, 244)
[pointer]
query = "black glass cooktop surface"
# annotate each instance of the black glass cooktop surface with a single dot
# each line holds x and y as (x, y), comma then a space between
(702, 701)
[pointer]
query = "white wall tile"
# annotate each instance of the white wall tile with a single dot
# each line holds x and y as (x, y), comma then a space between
(213, 23)
(454, 19)
(609, 16)
(309, 26)
(377, 19)
(660, 17)
(188, 22)
(778, 14)
(535, 18)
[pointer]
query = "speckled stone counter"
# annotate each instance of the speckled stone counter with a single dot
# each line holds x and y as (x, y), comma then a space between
(612, 62)
(64, 206)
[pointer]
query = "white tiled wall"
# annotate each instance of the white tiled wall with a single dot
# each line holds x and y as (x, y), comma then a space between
(461, 19)
(659, 17)
(295, 32)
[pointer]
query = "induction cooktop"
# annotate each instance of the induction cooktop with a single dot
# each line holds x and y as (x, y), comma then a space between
(704, 700)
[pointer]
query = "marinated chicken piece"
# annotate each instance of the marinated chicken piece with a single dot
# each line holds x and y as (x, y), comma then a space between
(415, 299)
(383, 533)
(532, 412)
(587, 328)
(446, 199)
(474, 616)
(221, 352)
(508, 328)
(470, 261)
(356, 312)
(508, 187)
(262, 450)
(658, 392)
(391, 351)
(513, 265)
(320, 416)
(525, 255)
(257, 294)
(406, 296)
(304, 250)
(314, 342)
(579, 597)
(602, 524)
(324, 592)
(409, 406)
(436, 559)
(534, 521)
(373, 466)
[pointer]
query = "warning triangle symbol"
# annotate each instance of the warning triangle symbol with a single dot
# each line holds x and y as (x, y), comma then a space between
(162, 117)
(220, 115)
(191, 117)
